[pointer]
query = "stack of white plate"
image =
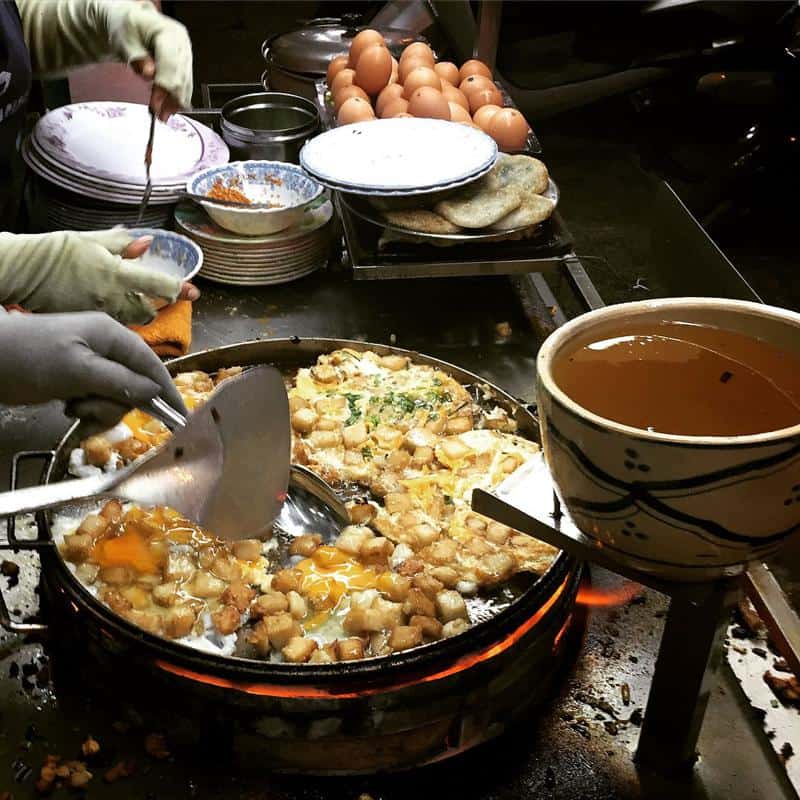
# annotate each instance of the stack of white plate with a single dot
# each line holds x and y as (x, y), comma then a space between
(259, 260)
(90, 159)
(61, 210)
(398, 157)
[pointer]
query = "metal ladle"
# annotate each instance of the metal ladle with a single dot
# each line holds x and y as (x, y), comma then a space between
(311, 504)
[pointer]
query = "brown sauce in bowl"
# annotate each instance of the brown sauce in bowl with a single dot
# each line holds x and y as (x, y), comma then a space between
(684, 379)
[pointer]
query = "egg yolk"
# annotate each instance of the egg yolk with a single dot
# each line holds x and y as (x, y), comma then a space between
(139, 540)
(328, 575)
(130, 549)
(145, 428)
(149, 430)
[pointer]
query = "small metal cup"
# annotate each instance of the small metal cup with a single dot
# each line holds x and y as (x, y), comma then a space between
(268, 125)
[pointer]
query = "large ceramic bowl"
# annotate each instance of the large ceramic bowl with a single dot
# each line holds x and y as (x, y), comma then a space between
(277, 182)
(681, 507)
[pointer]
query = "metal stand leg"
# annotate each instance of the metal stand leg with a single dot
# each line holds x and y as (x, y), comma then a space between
(691, 645)
(689, 656)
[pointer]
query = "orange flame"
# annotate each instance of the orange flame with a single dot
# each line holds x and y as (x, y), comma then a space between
(316, 692)
(606, 598)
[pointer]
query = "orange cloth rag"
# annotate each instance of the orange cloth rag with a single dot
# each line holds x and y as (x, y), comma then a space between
(170, 333)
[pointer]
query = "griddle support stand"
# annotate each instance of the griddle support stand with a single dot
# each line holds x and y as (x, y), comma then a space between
(689, 656)
(691, 646)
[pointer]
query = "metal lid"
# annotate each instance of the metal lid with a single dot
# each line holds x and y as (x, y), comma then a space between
(309, 50)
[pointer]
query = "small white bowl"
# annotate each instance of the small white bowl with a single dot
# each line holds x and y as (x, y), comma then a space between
(170, 253)
(261, 182)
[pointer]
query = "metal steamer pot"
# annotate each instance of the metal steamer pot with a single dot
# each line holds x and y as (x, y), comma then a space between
(391, 712)
(296, 60)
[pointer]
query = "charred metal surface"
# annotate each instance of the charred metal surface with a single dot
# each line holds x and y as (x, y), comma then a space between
(769, 685)
(581, 746)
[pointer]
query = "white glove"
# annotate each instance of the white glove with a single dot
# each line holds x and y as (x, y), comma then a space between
(63, 34)
(99, 367)
(71, 271)
(157, 47)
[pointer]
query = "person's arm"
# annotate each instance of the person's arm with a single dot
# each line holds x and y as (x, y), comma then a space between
(63, 34)
(69, 271)
(99, 367)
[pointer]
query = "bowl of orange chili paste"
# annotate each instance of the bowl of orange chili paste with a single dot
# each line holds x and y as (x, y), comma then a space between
(281, 191)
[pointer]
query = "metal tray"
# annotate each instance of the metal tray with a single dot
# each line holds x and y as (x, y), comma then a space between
(370, 258)
(367, 212)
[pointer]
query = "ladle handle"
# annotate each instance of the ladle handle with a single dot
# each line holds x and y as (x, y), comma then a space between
(52, 495)
(165, 413)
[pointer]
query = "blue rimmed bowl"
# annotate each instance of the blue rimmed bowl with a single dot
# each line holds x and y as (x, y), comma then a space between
(171, 253)
(285, 185)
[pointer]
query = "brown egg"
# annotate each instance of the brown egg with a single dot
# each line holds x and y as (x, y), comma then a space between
(344, 78)
(459, 114)
(388, 93)
(483, 115)
(473, 83)
(453, 95)
(335, 67)
(345, 94)
(393, 108)
(421, 76)
(447, 71)
(356, 109)
(474, 67)
(428, 102)
(484, 97)
(408, 65)
(395, 71)
(374, 69)
(419, 51)
(509, 129)
(361, 41)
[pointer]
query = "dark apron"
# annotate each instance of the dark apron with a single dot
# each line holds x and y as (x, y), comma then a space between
(15, 85)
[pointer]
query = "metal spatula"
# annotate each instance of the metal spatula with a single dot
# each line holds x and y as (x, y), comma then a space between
(227, 469)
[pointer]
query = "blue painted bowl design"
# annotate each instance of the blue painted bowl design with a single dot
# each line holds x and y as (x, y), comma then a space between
(170, 252)
(680, 507)
(283, 184)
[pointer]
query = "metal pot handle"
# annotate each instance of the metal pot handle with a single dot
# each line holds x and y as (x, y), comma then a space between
(14, 543)
(319, 22)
